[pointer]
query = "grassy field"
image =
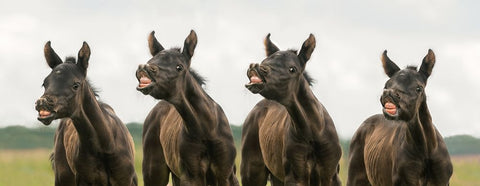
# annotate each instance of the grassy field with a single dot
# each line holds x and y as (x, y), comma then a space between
(32, 168)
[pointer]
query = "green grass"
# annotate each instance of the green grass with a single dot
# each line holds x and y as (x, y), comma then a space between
(32, 168)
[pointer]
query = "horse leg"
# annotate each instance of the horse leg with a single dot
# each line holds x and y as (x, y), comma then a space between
(154, 167)
(63, 173)
(328, 176)
(357, 173)
(252, 167)
(295, 165)
(439, 166)
(274, 181)
(175, 180)
(336, 179)
(407, 170)
(222, 168)
(193, 162)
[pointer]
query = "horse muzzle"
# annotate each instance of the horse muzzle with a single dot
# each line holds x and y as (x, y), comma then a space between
(46, 114)
(257, 80)
(389, 101)
(145, 82)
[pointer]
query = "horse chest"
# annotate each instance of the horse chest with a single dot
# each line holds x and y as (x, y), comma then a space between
(379, 154)
(170, 130)
(71, 143)
(271, 138)
(91, 172)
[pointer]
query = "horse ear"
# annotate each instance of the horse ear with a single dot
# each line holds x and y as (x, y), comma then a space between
(307, 49)
(270, 48)
(84, 56)
(388, 65)
(154, 46)
(428, 63)
(189, 45)
(52, 58)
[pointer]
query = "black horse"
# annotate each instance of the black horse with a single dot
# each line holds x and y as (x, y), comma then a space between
(400, 146)
(188, 133)
(92, 146)
(288, 136)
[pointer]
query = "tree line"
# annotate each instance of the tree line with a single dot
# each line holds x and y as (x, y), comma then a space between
(20, 137)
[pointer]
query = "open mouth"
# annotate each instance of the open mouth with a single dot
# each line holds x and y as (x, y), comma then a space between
(145, 83)
(389, 107)
(45, 116)
(256, 83)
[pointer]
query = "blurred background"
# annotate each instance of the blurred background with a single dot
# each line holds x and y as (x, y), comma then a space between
(346, 65)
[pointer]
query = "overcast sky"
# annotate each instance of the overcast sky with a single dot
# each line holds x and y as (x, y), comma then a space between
(346, 65)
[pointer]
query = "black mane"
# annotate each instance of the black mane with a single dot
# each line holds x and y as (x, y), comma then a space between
(412, 67)
(71, 59)
(200, 79)
(309, 78)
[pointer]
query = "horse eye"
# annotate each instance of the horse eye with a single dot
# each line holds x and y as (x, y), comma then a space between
(76, 86)
(292, 69)
(419, 89)
(179, 68)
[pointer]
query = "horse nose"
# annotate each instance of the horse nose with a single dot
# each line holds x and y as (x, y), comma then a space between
(45, 100)
(391, 93)
(142, 66)
(40, 102)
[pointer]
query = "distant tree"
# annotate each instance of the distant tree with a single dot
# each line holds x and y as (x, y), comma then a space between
(462, 145)
(19, 137)
(136, 130)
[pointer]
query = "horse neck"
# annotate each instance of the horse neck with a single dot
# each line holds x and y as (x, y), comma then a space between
(421, 129)
(305, 110)
(196, 108)
(90, 121)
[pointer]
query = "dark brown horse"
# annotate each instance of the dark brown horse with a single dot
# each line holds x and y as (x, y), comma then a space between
(187, 134)
(288, 136)
(92, 146)
(400, 147)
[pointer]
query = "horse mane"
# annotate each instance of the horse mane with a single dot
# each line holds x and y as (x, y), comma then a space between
(93, 88)
(412, 67)
(200, 79)
(293, 51)
(71, 59)
(309, 78)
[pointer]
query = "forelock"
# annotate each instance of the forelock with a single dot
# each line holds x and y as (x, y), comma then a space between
(71, 59)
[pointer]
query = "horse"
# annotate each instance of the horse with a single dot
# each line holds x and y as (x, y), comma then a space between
(288, 136)
(187, 133)
(400, 146)
(91, 145)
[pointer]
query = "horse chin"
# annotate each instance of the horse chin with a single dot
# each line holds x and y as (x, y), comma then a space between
(255, 87)
(145, 90)
(47, 120)
(391, 116)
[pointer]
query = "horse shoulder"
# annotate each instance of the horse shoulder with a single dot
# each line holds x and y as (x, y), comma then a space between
(70, 142)
(171, 126)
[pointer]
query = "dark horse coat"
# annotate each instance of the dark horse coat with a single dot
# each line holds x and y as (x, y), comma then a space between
(91, 146)
(402, 146)
(289, 136)
(187, 133)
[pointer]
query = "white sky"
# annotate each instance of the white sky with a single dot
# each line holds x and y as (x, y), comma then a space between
(350, 35)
